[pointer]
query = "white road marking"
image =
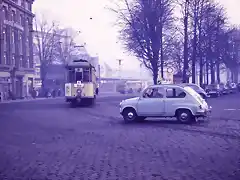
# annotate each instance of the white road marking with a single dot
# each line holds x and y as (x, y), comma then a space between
(231, 109)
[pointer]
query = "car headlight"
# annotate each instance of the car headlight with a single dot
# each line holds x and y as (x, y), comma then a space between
(120, 104)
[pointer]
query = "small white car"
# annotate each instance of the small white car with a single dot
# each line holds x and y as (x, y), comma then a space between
(165, 100)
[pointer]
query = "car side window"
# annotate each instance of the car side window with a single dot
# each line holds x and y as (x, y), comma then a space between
(147, 93)
(175, 93)
(154, 93)
(158, 93)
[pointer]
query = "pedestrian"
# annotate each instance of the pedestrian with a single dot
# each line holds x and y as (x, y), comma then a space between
(59, 92)
(54, 93)
(33, 93)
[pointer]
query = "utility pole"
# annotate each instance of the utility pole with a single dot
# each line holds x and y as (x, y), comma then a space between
(141, 71)
(120, 68)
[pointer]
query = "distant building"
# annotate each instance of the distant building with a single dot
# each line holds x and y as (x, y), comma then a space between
(16, 55)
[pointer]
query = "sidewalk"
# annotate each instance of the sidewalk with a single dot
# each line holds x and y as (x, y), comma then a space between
(101, 95)
(26, 100)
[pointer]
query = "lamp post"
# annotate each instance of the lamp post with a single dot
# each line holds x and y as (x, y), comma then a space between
(120, 67)
(141, 71)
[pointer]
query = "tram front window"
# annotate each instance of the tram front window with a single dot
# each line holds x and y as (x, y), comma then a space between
(71, 76)
(79, 76)
(83, 76)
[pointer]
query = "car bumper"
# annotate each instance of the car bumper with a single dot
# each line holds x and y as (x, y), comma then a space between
(212, 93)
(204, 114)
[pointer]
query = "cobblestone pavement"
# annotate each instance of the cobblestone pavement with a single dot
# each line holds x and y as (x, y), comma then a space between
(47, 140)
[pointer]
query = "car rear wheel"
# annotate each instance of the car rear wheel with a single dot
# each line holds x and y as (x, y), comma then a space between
(129, 115)
(185, 116)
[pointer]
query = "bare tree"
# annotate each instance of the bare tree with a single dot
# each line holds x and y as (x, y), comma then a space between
(143, 26)
(203, 23)
(52, 45)
(230, 48)
(67, 47)
(185, 11)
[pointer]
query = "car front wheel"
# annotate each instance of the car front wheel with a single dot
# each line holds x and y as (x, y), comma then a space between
(185, 116)
(129, 115)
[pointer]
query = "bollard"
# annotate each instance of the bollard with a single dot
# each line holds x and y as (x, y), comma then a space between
(1, 96)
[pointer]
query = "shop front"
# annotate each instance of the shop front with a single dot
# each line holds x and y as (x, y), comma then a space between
(5, 85)
(28, 85)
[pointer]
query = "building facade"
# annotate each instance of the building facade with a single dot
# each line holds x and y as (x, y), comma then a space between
(16, 52)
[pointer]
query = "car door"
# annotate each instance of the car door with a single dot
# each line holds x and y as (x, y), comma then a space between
(152, 102)
(175, 97)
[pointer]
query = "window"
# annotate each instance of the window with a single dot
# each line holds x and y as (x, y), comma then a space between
(21, 61)
(27, 47)
(28, 62)
(21, 20)
(154, 93)
(79, 76)
(13, 42)
(22, 3)
(13, 16)
(71, 76)
(5, 38)
(20, 44)
(5, 58)
(13, 60)
(87, 75)
(27, 5)
(27, 22)
(5, 13)
(175, 93)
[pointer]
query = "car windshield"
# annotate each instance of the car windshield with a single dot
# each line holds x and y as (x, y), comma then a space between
(194, 94)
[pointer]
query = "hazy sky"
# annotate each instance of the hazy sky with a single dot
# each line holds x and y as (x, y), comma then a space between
(100, 33)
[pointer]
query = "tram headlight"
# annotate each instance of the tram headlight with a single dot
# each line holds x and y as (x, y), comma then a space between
(79, 91)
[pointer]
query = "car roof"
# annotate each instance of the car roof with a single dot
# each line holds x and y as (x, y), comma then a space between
(165, 85)
(188, 84)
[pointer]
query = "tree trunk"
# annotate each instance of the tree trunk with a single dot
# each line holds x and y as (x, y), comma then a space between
(207, 72)
(155, 66)
(212, 72)
(185, 61)
(161, 54)
(162, 63)
(201, 72)
(155, 78)
(218, 73)
(194, 48)
(155, 74)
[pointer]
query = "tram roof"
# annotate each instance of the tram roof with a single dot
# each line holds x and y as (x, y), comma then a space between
(79, 63)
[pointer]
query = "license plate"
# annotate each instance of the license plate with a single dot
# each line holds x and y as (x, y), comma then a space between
(78, 99)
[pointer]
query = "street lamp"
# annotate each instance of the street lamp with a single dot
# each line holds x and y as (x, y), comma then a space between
(119, 66)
